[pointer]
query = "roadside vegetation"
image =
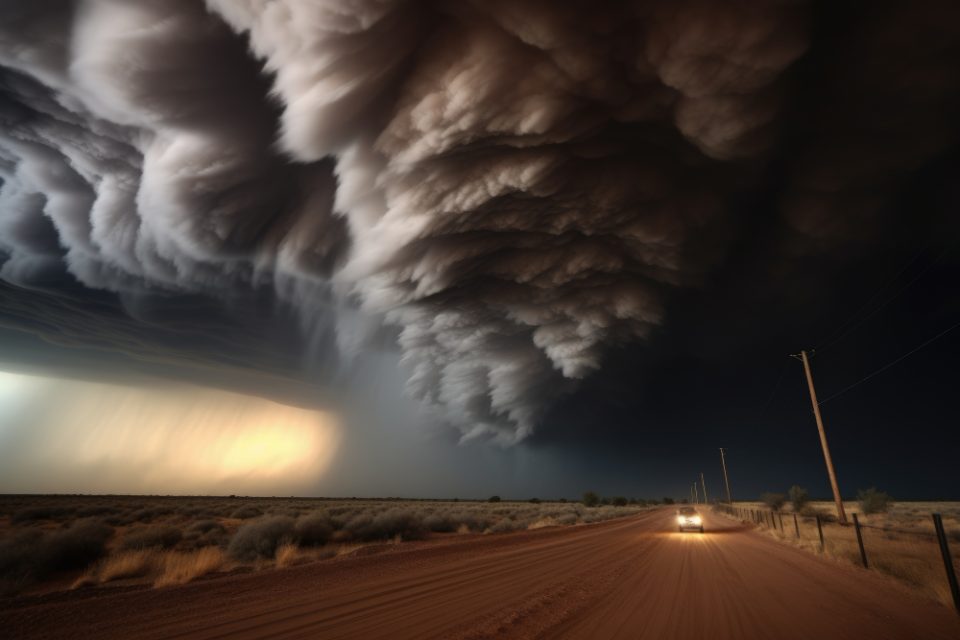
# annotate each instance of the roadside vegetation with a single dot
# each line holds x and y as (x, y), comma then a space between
(52, 542)
(898, 536)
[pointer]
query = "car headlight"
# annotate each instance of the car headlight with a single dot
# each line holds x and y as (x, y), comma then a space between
(695, 520)
(680, 519)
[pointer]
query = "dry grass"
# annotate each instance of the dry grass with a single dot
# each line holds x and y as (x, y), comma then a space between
(289, 555)
(162, 568)
(127, 564)
(180, 568)
(911, 555)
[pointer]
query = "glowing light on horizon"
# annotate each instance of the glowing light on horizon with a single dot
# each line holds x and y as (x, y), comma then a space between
(97, 437)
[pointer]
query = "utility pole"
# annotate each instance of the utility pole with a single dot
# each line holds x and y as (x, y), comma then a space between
(696, 496)
(726, 480)
(704, 484)
(841, 514)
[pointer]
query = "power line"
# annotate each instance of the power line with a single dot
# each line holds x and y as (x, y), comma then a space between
(890, 364)
(776, 386)
(851, 327)
(842, 328)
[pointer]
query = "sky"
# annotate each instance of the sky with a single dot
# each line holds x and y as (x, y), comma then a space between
(524, 248)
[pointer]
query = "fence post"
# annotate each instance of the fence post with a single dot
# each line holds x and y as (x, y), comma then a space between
(780, 518)
(863, 552)
(820, 531)
(796, 525)
(947, 560)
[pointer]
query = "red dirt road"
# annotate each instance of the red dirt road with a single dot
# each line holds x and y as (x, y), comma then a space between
(629, 578)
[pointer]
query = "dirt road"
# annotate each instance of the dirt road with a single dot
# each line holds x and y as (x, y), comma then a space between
(630, 578)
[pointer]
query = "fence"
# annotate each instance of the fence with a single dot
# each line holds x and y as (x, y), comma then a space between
(774, 520)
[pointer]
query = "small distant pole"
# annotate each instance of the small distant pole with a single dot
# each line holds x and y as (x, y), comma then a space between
(704, 484)
(726, 480)
(820, 531)
(841, 514)
(696, 496)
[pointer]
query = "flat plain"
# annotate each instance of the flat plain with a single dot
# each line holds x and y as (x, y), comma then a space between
(631, 577)
(55, 543)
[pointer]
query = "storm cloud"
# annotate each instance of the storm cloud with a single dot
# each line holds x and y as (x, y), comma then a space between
(508, 190)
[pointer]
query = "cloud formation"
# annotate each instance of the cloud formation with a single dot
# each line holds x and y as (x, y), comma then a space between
(508, 186)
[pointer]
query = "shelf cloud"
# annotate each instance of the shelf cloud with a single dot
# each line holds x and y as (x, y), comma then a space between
(507, 190)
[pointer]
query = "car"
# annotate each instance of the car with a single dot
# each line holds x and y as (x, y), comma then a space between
(689, 518)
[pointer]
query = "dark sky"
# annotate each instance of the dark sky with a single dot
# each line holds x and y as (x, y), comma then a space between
(586, 239)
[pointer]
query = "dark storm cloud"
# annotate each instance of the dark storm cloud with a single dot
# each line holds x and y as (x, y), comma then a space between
(513, 187)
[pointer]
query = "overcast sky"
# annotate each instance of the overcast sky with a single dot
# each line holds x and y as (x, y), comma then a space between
(527, 248)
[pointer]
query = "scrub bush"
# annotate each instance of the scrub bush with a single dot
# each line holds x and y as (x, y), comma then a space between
(798, 497)
(261, 538)
(165, 537)
(873, 501)
(313, 530)
(773, 500)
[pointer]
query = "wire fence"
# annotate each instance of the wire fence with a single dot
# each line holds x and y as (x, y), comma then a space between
(892, 556)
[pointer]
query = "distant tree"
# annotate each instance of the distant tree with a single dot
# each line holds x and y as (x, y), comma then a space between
(562, 500)
(798, 497)
(619, 501)
(668, 501)
(773, 500)
(605, 501)
(590, 499)
(684, 501)
(534, 500)
(634, 501)
(873, 501)
(493, 499)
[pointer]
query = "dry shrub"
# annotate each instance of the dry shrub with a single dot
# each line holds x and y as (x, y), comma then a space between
(507, 525)
(149, 514)
(441, 523)
(542, 523)
(245, 513)
(31, 556)
(205, 526)
(34, 514)
(873, 501)
(314, 530)
(262, 538)
(180, 568)
(165, 537)
(387, 525)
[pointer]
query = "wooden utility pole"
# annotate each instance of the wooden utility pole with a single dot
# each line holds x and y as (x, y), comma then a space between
(841, 514)
(726, 480)
(704, 485)
(696, 495)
